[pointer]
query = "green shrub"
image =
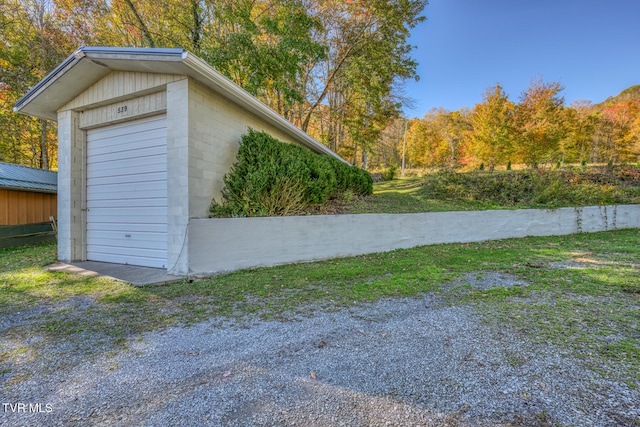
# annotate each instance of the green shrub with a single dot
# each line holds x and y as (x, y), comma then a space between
(390, 174)
(285, 198)
(271, 178)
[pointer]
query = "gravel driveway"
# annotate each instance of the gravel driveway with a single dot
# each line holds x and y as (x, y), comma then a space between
(398, 362)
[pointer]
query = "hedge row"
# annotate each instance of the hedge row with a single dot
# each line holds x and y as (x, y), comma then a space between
(272, 178)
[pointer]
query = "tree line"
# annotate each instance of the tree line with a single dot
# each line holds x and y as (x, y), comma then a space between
(332, 67)
(537, 130)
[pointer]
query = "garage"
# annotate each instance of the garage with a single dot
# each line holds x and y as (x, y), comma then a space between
(145, 138)
(127, 193)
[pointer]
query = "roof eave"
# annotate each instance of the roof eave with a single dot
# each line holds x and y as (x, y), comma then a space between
(93, 68)
(193, 66)
(46, 82)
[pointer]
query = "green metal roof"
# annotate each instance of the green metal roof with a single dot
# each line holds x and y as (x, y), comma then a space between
(16, 177)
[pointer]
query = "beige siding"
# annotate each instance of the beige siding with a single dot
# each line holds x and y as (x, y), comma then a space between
(119, 84)
(124, 110)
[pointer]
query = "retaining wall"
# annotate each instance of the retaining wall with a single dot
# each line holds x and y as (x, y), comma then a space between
(218, 245)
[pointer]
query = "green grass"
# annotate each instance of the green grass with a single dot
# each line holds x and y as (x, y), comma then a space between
(446, 191)
(403, 196)
(582, 293)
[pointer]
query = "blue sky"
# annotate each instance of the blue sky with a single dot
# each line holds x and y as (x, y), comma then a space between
(465, 46)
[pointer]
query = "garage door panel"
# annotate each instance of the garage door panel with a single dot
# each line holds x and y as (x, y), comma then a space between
(117, 250)
(153, 160)
(140, 247)
(157, 177)
(127, 193)
(137, 202)
(153, 242)
(139, 192)
(119, 143)
(131, 258)
(129, 252)
(117, 228)
(132, 222)
(104, 236)
(132, 128)
(109, 154)
(137, 240)
(148, 175)
(147, 154)
(111, 218)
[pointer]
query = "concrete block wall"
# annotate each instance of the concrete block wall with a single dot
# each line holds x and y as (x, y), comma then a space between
(216, 126)
(203, 135)
(71, 187)
(177, 178)
(218, 245)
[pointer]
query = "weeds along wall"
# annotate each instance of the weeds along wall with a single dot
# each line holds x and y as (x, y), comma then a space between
(219, 245)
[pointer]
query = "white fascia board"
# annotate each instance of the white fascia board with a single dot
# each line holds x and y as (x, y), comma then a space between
(81, 69)
(46, 82)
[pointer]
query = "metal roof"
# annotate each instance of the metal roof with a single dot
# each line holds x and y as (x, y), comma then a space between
(16, 177)
(89, 64)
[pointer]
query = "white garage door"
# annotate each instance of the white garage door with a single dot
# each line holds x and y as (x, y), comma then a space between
(127, 193)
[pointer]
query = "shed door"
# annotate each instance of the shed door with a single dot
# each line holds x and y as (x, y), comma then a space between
(127, 193)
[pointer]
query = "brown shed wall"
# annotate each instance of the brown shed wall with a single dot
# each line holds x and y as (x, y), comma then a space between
(26, 207)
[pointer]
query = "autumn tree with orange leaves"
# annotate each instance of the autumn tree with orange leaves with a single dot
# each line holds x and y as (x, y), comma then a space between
(493, 136)
(32, 44)
(539, 124)
(538, 130)
(621, 120)
(331, 67)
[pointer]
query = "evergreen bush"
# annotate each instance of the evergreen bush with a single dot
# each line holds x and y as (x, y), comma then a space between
(390, 174)
(272, 178)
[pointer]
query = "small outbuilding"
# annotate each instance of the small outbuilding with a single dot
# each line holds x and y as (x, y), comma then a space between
(27, 204)
(145, 137)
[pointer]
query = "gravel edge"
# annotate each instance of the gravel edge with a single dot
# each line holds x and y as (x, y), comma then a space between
(401, 361)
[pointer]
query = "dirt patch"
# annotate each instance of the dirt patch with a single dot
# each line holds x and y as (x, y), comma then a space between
(485, 280)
